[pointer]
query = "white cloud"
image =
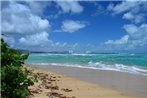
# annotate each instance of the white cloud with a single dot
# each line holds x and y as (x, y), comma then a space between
(70, 6)
(38, 39)
(110, 7)
(18, 18)
(72, 26)
(130, 28)
(123, 7)
(128, 16)
(133, 17)
(135, 32)
(59, 45)
(135, 12)
(43, 24)
(24, 27)
(136, 37)
(36, 6)
(123, 40)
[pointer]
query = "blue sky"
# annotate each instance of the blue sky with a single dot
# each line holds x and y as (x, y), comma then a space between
(79, 26)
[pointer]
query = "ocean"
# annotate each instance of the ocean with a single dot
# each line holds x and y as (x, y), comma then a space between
(123, 62)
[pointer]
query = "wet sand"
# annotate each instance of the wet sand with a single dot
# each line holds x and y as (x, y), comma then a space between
(123, 84)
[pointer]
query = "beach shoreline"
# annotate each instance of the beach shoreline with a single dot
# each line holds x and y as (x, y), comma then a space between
(125, 83)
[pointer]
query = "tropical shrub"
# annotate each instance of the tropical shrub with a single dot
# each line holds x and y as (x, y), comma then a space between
(15, 78)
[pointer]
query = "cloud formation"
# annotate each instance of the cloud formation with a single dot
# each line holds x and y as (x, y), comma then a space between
(136, 18)
(40, 39)
(135, 12)
(23, 25)
(132, 10)
(123, 7)
(123, 40)
(137, 33)
(72, 26)
(36, 6)
(19, 19)
(70, 6)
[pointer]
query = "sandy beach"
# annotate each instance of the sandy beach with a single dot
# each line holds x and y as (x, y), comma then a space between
(90, 83)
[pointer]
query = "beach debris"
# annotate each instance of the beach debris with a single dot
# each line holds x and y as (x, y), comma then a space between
(34, 91)
(54, 94)
(53, 76)
(63, 97)
(47, 87)
(48, 82)
(55, 87)
(73, 97)
(66, 90)
(52, 80)
(44, 81)
(67, 97)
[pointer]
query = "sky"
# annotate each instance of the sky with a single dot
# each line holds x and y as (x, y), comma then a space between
(78, 26)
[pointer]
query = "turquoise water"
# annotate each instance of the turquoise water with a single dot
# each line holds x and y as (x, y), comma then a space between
(133, 63)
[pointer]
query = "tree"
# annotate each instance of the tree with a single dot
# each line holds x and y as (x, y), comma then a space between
(15, 78)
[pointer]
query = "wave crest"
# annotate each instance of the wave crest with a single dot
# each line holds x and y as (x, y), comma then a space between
(118, 67)
(102, 66)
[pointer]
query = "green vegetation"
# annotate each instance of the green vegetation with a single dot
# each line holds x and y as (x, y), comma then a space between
(15, 79)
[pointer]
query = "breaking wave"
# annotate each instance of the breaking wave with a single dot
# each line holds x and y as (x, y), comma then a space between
(101, 66)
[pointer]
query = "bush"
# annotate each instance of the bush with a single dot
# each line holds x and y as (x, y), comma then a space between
(15, 78)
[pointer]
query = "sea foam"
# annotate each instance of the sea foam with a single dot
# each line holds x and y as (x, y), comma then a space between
(101, 66)
(122, 62)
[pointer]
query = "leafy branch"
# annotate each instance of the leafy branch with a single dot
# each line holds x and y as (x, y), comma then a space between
(15, 79)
